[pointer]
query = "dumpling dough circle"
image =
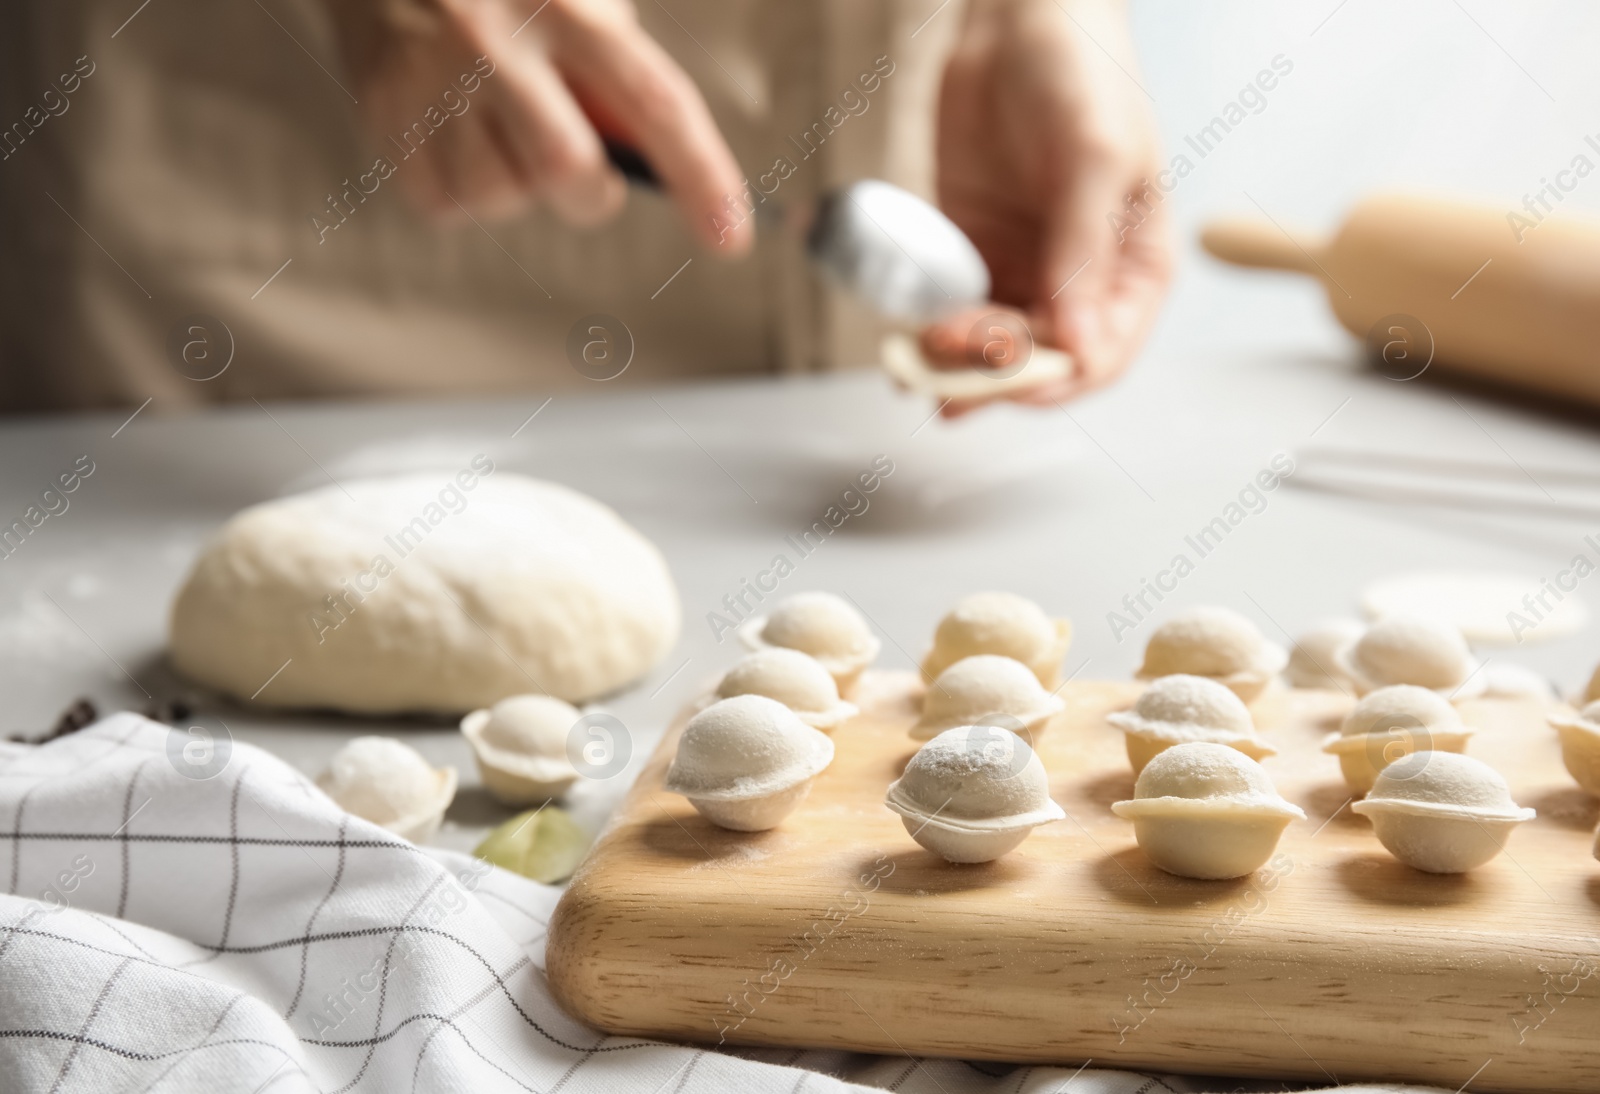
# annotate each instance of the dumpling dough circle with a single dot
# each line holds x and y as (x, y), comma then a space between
(526, 585)
(1482, 605)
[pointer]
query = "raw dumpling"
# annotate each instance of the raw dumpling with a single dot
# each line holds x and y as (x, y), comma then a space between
(1003, 624)
(745, 763)
(1216, 643)
(521, 746)
(973, 793)
(1580, 745)
(1178, 709)
(985, 690)
(1390, 723)
(1314, 661)
(820, 624)
(1441, 812)
(795, 679)
(1203, 810)
(388, 783)
(1403, 649)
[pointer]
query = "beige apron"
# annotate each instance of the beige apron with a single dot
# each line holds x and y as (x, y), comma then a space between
(162, 172)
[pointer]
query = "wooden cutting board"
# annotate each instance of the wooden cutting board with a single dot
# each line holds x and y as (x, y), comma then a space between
(1333, 963)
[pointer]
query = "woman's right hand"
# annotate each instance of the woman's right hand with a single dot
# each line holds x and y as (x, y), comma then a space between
(547, 72)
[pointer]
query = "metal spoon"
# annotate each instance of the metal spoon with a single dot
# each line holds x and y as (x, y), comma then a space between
(878, 242)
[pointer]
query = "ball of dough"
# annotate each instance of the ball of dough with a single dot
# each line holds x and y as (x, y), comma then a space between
(1003, 624)
(1314, 662)
(820, 624)
(1592, 692)
(1441, 812)
(417, 593)
(1203, 810)
(795, 679)
(1403, 649)
(1217, 643)
(985, 690)
(388, 783)
(973, 793)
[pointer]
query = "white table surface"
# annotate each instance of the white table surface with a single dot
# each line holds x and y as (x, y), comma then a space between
(1073, 510)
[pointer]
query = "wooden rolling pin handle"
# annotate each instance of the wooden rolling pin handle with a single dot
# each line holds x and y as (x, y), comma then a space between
(1259, 243)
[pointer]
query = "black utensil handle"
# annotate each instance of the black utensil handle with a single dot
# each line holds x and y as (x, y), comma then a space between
(634, 167)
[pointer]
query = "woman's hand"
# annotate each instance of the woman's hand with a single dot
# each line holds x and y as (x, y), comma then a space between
(1044, 140)
(551, 71)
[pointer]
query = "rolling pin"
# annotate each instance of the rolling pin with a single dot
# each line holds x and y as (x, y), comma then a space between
(1511, 296)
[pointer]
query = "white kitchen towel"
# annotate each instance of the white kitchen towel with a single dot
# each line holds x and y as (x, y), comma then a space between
(241, 933)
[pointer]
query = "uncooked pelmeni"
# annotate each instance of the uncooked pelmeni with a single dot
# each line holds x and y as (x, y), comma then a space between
(388, 783)
(1003, 624)
(745, 763)
(1314, 658)
(1404, 649)
(1441, 812)
(1176, 710)
(1216, 643)
(985, 690)
(1392, 723)
(820, 624)
(973, 793)
(1580, 745)
(1204, 810)
(1494, 609)
(795, 679)
(521, 747)
(1503, 681)
(421, 593)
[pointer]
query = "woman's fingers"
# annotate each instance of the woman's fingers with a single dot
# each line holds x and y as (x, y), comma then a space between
(655, 106)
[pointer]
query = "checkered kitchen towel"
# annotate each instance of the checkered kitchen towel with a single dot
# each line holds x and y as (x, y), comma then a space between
(239, 932)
